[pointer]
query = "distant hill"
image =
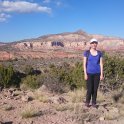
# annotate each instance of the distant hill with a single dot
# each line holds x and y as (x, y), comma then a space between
(68, 44)
(1, 43)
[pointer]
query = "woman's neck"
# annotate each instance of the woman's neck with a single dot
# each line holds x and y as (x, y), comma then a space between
(92, 49)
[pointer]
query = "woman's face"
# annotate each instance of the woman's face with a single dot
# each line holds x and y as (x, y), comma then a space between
(93, 45)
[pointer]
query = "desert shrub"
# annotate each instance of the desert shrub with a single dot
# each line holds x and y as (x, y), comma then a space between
(10, 77)
(76, 96)
(6, 75)
(113, 72)
(30, 82)
(77, 76)
(64, 77)
(29, 112)
(28, 70)
(16, 79)
(56, 78)
(74, 77)
(54, 84)
(51, 66)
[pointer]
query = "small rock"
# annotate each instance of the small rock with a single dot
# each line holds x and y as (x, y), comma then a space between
(115, 110)
(54, 99)
(25, 98)
(3, 103)
(43, 88)
(61, 100)
(31, 94)
(17, 97)
(101, 118)
(50, 101)
(11, 90)
(14, 94)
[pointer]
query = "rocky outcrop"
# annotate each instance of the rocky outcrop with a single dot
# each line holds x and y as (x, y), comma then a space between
(6, 55)
(1, 44)
(59, 45)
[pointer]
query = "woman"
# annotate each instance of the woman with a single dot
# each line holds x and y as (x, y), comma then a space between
(93, 71)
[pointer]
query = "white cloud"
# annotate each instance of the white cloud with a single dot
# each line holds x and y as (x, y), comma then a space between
(55, 2)
(22, 7)
(4, 17)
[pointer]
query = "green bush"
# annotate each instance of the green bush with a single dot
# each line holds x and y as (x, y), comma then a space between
(78, 76)
(56, 78)
(74, 76)
(113, 71)
(28, 70)
(30, 82)
(6, 75)
(60, 78)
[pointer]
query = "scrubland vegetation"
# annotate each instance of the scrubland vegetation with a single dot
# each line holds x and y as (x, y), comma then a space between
(62, 77)
(40, 91)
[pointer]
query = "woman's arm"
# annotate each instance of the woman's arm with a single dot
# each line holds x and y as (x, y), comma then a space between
(101, 68)
(84, 66)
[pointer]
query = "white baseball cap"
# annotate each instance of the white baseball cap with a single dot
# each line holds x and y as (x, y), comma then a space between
(93, 40)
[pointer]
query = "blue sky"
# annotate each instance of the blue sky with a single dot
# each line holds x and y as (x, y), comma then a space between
(24, 19)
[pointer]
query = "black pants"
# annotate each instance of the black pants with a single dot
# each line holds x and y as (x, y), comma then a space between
(92, 87)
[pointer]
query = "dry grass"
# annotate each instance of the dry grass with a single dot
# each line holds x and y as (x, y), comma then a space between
(109, 116)
(24, 87)
(41, 97)
(7, 107)
(64, 107)
(122, 112)
(61, 108)
(118, 96)
(29, 112)
(82, 115)
(100, 97)
(77, 95)
(77, 108)
(112, 114)
(121, 100)
(121, 109)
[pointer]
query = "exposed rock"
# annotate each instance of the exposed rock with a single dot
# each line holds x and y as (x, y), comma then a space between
(43, 88)
(17, 97)
(61, 100)
(26, 98)
(30, 94)
(70, 113)
(59, 46)
(6, 55)
(101, 118)
(11, 90)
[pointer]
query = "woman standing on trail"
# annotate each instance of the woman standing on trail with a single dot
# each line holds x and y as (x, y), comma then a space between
(93, 71)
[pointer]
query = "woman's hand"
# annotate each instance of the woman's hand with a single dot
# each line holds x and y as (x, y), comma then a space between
(101, 77)
(85, 76)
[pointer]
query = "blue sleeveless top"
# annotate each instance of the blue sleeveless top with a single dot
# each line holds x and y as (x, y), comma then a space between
(93, 62)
